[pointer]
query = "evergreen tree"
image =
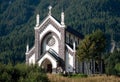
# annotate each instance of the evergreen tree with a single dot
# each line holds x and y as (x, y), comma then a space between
(112, 62)
(92, 46)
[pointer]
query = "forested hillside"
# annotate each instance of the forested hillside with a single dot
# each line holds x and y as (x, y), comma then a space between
(17, 21)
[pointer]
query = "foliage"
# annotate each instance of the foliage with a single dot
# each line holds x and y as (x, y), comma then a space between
(117, 68)
(17, 21)
(92, 46)
(99, 41)
(21, 73)
(112, 63)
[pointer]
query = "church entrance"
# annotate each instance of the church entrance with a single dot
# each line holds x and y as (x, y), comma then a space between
(47, 66)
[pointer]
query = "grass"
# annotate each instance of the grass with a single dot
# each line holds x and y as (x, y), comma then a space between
(102, 78)
(78, 76)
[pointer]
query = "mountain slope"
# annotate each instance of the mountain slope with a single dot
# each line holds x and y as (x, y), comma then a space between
(17, 21)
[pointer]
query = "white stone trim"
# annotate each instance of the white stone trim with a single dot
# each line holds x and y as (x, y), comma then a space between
(46, 47)
(49, 17)
(32, 59)
(52, 29)
(69, 62)
(50, 58)
(31, 50)
(69, 48)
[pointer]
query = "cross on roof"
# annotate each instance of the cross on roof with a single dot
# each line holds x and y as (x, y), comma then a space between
(50, 7)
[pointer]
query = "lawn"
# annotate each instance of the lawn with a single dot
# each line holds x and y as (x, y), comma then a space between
(102, 78)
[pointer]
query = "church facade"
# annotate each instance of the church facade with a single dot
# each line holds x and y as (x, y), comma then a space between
(55, 46)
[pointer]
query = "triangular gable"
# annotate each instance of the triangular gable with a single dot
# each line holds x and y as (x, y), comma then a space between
(52, 57)
(49, 17)
(52, 54)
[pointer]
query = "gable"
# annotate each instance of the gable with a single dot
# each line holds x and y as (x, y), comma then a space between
(49, 17)
(51, 56)
(50, 28)
(49, 20)
(49, 24)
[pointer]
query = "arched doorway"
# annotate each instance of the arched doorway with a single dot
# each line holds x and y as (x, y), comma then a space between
(47, 66)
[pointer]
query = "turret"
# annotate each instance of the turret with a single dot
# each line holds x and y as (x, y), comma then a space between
(37, 20)
(74, 46)
(62, 19)
(27, 48)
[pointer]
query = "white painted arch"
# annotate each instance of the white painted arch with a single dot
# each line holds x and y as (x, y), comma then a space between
(51, 28)
(50, 58)
(46, 47)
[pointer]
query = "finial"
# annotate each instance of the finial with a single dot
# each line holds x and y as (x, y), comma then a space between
(37, 19)
(62, 18)
(27, 48)
(74, 46)
(50, 8)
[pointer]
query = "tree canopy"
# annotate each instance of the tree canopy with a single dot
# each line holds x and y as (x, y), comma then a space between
(17, 21)
(92, 46)
(112, 62)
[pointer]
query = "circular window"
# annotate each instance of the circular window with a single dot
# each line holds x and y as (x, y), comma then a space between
(51, 41)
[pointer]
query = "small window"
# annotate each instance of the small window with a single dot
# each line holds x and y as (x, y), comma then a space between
(78, 41)
(71, 41)
(67, 39)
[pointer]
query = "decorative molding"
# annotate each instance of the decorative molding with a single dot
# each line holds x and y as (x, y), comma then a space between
(50, 41)
(44, 26)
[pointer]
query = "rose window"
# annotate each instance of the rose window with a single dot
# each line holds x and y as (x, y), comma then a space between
(51, 41)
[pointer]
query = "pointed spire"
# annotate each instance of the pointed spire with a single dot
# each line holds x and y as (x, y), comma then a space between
(50, 8)
(62, 18)
(74, 46)
(27, 48)
(37, 19)
(113, 45)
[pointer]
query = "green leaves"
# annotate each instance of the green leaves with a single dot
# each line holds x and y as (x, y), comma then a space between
(112, 62)
(117, 68)
(92, 46)
(21, 73)
(17, 20)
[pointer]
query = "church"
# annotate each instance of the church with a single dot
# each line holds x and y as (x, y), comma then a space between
(55, 46)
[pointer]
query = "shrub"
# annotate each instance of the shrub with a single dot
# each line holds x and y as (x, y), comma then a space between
(117, 68)
(112, 63)
(22, 73)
